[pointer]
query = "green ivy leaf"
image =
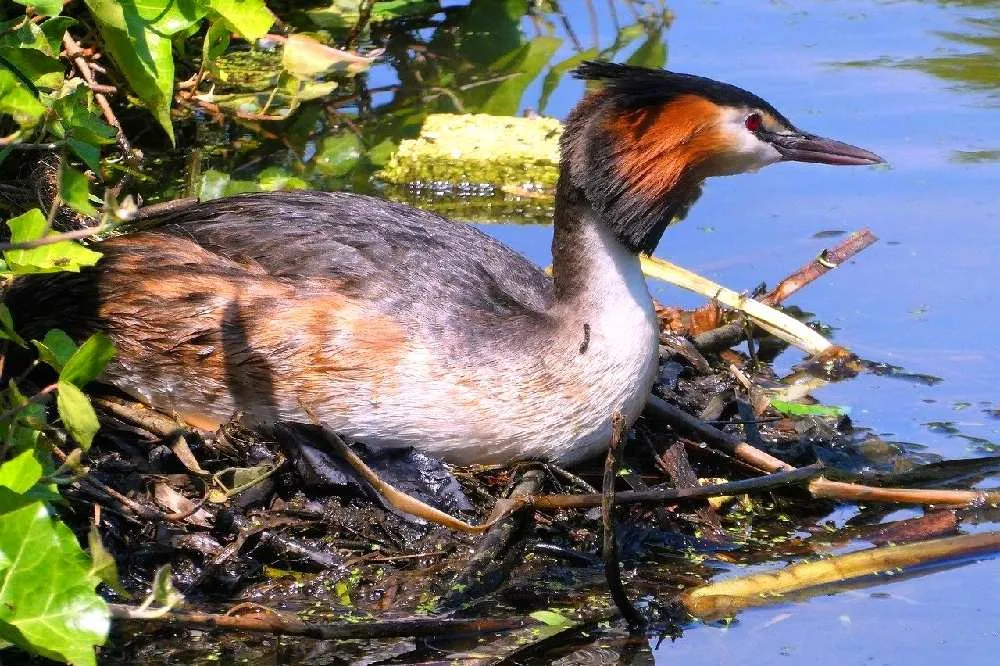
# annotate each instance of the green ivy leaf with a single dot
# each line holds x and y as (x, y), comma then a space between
(43, 7)
(81, 120)
(527, 61)
(51, 258)
(250, 18)
(18, 100)
(27, 35)
(81, 127)
(74, 189)
(164, 591)
(303, 91)
(88, 362)
(215, 184)
(625, 36)
(273, 179)
(215, 44)
(137, 36)
(22, 431)
(86, 151)
(55, 349)
(7, 331)
(651, 53)
(54, 29)
(338, 155)
(557, 73)
(77, 414)
(22, 471)
(47, 600)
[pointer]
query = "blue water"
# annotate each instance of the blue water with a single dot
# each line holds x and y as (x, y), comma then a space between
(923, 298)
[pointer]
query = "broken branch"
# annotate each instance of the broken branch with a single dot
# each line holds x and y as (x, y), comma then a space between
(773, 321)
(271, 623)
(727, 335)
(76, 55)
(609, 551)
(728, 596)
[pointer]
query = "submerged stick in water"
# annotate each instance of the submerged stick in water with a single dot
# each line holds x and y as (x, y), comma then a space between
(729, 596)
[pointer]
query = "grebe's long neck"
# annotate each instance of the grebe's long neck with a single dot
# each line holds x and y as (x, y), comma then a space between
(608, 333)
(591, 267)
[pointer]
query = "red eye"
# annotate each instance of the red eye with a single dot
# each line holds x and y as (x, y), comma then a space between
(754, 122)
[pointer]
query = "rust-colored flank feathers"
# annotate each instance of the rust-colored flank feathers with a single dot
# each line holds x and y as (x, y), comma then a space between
(203, 336)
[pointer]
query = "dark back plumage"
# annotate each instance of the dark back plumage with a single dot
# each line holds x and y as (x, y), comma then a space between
(378, 250)
(393, 256)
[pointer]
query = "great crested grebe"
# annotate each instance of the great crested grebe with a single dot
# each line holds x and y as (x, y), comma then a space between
(401, 328)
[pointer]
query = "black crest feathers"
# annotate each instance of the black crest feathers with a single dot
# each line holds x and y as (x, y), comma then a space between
(634, 87)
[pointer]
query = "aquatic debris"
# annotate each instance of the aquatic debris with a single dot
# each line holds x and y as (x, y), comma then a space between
(500, 151)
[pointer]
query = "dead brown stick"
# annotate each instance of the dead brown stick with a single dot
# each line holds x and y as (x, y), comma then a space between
(825, 488)
(729, 334)
(75, 54)
(820, 487)
(821, 265)
(726, 597)
(170, 430)
(165, 207)
(274, 624)
(609, 551)
(794, 476)
(660, 410)
(101, 490)
(103, 89)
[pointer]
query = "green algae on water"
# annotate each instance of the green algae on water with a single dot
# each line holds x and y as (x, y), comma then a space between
(500, 151)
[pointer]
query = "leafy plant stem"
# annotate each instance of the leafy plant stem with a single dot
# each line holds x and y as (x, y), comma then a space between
(40, 397)
(76, 234)
(55, 145)
(74, 53)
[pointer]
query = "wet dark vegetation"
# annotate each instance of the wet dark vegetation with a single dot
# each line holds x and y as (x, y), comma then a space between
(227, 546)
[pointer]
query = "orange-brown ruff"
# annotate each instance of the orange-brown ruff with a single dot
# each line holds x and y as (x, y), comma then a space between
(398, 327)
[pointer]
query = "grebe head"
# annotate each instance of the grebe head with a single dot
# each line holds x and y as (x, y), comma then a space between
(638, 148)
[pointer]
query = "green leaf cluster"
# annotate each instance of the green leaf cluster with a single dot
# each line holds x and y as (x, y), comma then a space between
(47, 599)
(63, 255)
(45, 105)
(47, 99)
(48, 602)
(139, 37)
